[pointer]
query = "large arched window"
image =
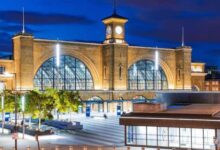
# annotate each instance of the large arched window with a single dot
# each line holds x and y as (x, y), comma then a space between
(143, 76)
(72, 74)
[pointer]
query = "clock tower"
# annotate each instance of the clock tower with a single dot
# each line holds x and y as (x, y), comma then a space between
(115, 28)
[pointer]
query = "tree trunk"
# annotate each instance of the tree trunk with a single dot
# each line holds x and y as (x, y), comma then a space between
(39, 122)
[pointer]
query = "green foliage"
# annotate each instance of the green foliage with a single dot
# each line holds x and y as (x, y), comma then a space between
(41, 104)
(10, 98)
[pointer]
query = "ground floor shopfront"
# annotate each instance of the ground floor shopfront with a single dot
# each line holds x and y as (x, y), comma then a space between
(187, 138)
(115, 107)
(113, 101)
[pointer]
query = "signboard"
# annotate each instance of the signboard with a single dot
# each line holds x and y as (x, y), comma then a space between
(88, 111)
(7, 116)
(118, 110)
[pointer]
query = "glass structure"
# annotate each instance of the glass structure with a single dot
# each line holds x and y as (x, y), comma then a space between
(169, 137)
(72, 74)
(143, 76)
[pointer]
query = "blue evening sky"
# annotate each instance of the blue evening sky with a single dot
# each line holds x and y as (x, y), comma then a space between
(151, 22)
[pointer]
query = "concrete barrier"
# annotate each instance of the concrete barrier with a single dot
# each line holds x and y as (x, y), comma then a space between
(114, 148)
(85, 148)
(28, 148)
(99, 148)
(57, 148)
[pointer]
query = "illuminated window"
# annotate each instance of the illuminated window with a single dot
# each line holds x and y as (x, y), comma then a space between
(196, 68)
(197, 138)
(174, 137)
(143, 76)
(209, 135)
(185, 137)
(152, 136)
(162, 136)
(2, 70)
(72, 74)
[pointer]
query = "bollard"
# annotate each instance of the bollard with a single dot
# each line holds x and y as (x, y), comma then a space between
(128, 148)
(70, 147)
(114, 147)
(142, 148)
(57, 148)
(28, 148)
(85, 148)
(99, 148)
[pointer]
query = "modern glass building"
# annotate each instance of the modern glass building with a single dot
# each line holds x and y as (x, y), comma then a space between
(193, 127)
(171, 137)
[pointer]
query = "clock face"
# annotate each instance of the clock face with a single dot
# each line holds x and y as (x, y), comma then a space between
(118, 29)
(108, 30)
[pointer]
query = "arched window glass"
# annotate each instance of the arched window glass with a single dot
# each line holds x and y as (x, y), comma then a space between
(143, 76)
(95, 98)
(72, 74)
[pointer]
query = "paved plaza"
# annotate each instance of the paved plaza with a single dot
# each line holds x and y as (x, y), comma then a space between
(97, 132)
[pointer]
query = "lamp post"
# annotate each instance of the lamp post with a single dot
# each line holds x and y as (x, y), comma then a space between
(6, 74)
(3, 114)
(16, 117)
(23, 109)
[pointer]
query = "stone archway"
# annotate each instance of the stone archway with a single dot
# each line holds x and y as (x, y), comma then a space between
(89, 64)
(169, 75)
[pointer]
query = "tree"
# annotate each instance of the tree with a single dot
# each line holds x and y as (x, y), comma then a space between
(41, 104)
(64, 101)
(37, 105)
(9, 100)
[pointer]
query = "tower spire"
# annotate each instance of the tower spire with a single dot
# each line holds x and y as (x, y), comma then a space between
(23, 22)
(183, 37)
(114, 6)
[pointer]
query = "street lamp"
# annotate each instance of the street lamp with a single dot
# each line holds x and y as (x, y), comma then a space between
(3, 114)
(23, 109)
(6, 74)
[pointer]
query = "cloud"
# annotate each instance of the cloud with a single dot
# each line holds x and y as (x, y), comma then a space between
(5, 43)
(37, 18)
